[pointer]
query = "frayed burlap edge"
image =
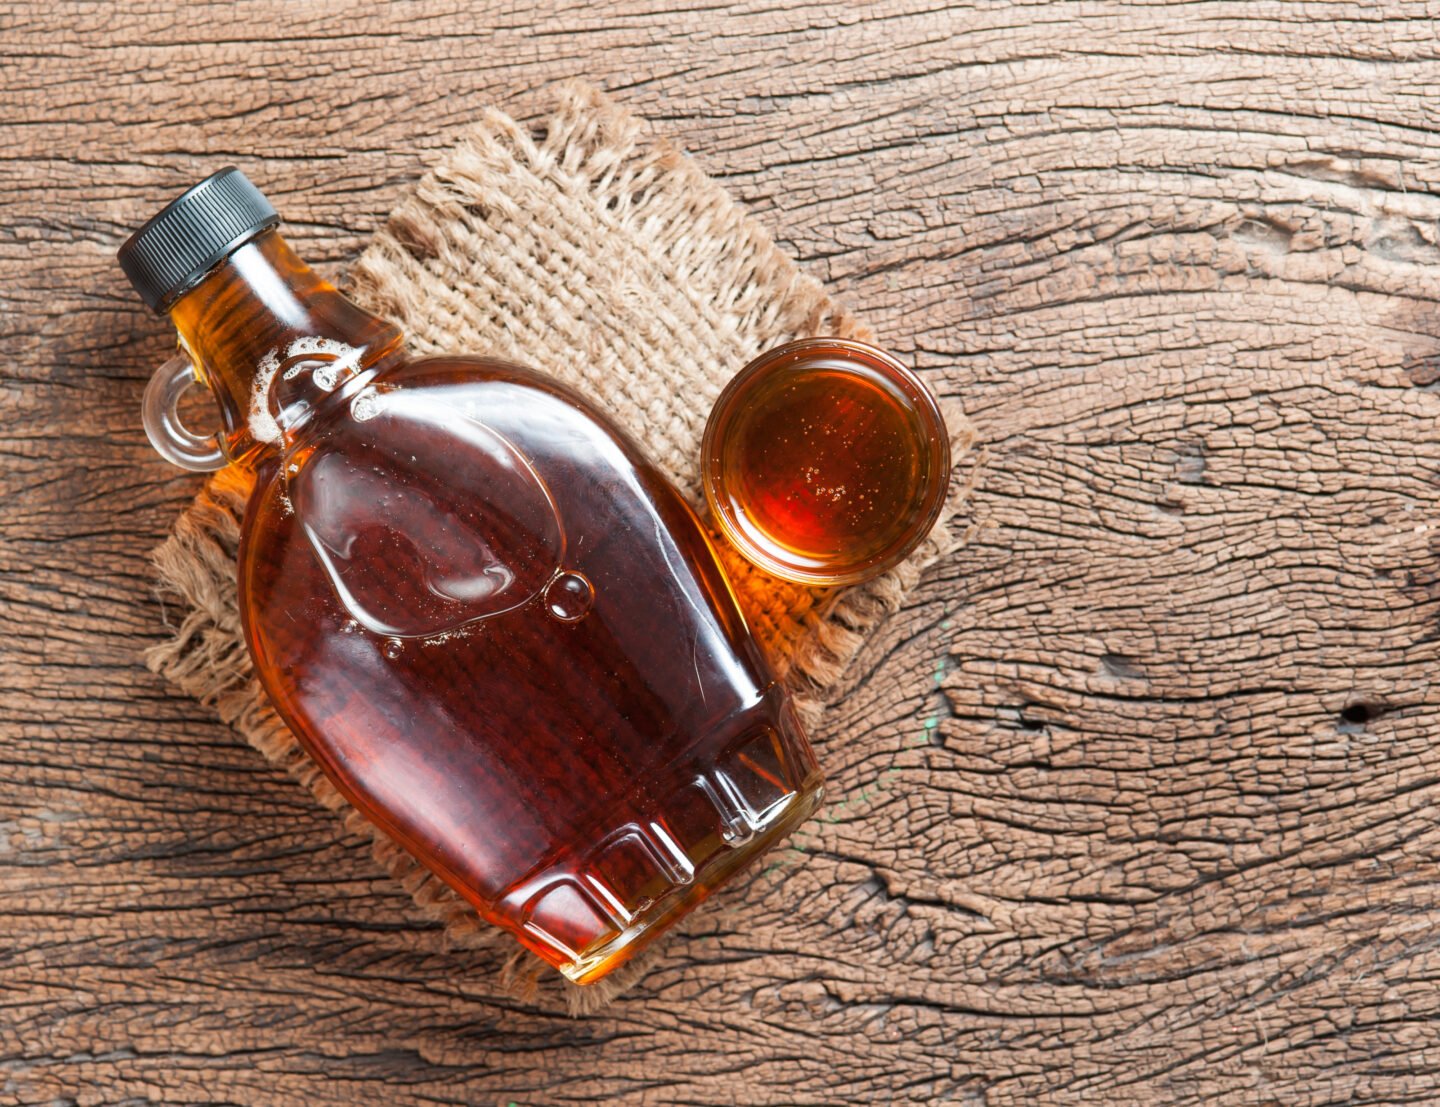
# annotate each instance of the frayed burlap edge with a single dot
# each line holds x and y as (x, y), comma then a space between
(591, 151)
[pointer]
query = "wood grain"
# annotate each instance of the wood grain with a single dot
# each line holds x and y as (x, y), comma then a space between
(1136, 801)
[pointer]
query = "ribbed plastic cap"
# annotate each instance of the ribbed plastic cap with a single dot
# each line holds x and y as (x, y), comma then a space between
(169, 254)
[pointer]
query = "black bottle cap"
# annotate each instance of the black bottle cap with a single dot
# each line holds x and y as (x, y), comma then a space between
(169, 254)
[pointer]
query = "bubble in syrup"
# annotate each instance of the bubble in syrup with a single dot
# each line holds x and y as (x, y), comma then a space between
(569, 596)
(393, 648)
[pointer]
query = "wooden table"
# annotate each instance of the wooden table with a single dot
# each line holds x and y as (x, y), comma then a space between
(1136, 802)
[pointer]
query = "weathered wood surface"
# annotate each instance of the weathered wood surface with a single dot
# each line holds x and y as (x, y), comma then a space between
(1136, 802)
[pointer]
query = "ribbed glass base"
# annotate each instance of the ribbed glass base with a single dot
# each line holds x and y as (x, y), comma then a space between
(595, 908)
(599, 959)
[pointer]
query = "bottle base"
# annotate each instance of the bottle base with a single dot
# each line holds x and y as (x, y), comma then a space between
(589, 911)
(599, 960)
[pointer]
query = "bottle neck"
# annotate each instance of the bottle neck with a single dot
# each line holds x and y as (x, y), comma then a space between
(273, 341)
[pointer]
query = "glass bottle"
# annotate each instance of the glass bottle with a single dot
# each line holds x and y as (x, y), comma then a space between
(490, 620)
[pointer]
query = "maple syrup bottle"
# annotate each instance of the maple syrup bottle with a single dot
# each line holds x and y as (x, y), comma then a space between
(495, 626)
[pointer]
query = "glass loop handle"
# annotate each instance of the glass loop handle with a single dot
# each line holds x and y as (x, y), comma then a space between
(172, 440)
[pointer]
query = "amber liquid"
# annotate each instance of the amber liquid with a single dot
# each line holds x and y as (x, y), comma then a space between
(823, 464)
(502, 634)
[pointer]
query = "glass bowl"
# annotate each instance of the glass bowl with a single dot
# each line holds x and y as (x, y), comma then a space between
(825, 461)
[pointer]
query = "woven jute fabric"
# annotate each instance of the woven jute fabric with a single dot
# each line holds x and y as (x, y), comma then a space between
(595, 251)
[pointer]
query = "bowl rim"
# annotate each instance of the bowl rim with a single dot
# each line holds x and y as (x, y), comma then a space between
(922, 401)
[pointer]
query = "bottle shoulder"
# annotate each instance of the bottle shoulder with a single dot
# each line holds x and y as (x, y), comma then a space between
(473, 418)
(427, 444)
(438, 370)
(519, 401)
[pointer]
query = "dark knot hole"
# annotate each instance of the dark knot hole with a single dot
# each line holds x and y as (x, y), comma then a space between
(1360, 713)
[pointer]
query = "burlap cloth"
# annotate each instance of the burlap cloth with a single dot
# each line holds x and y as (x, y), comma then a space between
(595, 251)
